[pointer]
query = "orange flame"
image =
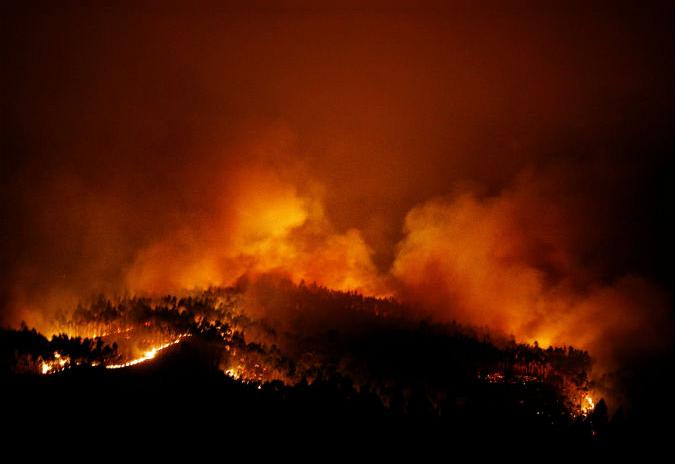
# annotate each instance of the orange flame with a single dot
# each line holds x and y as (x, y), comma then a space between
(148, 355)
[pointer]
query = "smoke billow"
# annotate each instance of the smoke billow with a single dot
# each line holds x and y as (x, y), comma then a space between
(264, 226)
(506, 167)
(519, 262)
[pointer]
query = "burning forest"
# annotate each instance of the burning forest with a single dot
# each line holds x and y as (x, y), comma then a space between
(455, 215)
(363, 349)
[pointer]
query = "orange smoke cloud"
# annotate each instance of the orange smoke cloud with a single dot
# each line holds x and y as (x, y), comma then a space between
(264, 225)
(146, 163)
(510, 262)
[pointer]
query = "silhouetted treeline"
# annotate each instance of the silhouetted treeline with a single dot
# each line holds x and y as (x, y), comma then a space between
(306, 348)
(25, 351)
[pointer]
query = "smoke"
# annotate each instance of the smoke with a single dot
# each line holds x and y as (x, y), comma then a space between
(507, 168)
(519, 262)
(262, 226)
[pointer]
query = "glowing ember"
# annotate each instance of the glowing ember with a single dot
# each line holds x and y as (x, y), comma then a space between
(148, 355)
(495, 377)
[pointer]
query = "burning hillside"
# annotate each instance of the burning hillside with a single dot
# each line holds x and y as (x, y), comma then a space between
(420, 209)
(410, 366)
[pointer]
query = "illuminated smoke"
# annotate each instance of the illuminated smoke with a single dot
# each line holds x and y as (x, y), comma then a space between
(172, 151)
(510, 262)
(265, 226)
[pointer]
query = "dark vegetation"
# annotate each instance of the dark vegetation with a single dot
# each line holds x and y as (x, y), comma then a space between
(301, 353)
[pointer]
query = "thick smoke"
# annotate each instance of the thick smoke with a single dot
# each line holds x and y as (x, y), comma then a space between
(519, 262)
(264, 226)
(502, 167)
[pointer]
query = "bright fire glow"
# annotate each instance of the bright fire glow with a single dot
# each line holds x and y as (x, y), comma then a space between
(58, 364)
(587, 404)
(234, 373)
(148, 355)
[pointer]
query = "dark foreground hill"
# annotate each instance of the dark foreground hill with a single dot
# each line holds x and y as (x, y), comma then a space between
(344, 366)
(182, 389)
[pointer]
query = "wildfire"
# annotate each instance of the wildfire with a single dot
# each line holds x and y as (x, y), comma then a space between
(233, 373)
(587, 404)
(137, 330)
(58, 364)
(148, 355)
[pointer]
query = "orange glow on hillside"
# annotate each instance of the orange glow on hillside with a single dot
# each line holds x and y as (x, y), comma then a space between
(148, 355)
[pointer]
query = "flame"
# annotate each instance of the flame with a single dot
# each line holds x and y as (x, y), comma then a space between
(233, 373)
(503, 261)
(60, 363)
(148, 355)
(587, 404)
(53, 366)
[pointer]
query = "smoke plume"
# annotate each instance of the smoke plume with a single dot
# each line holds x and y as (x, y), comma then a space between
(501, 166)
